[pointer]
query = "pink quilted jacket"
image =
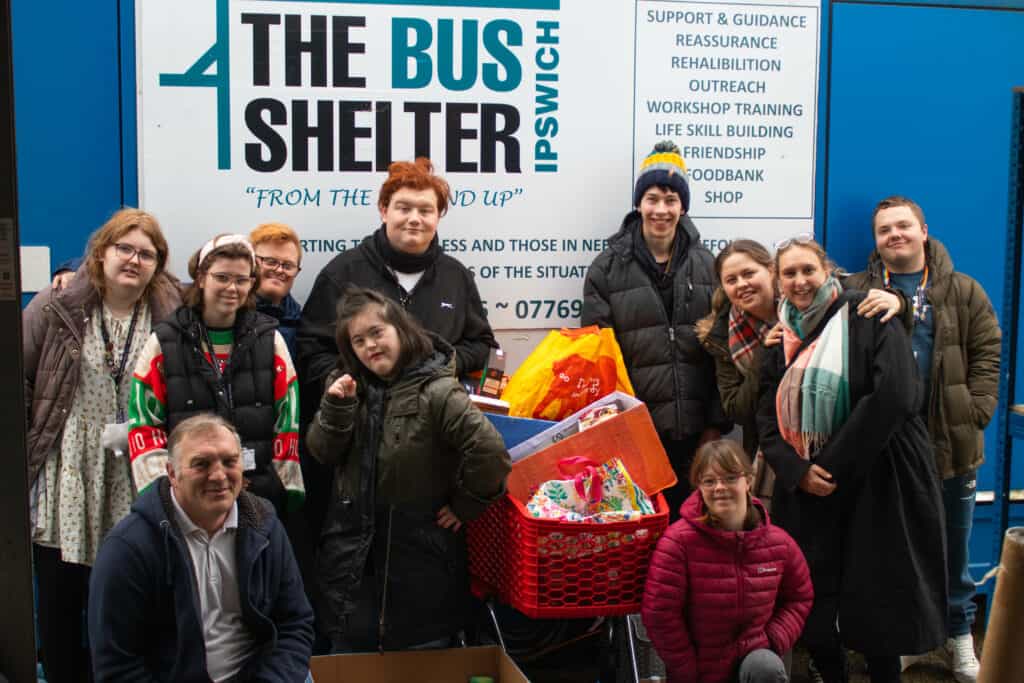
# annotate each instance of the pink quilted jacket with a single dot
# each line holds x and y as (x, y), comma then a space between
(714, 596)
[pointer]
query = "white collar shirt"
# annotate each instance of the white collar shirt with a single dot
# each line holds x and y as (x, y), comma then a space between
(229, 644)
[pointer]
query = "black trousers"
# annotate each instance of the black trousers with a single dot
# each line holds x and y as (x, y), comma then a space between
(63, 596)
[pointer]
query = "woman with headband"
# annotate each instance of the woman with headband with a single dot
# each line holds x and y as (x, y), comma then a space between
(217, 354)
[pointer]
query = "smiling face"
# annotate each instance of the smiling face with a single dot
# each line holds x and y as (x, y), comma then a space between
(411, 219)
(132, 273)
(801, 273)
(375, 342)
(276, 280)
(900, 238)
(206, 475)
(725, 495)
(660, 210)
(748, 284)
(222, 293)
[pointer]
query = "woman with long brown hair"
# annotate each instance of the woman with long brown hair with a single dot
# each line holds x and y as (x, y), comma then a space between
(80, 345)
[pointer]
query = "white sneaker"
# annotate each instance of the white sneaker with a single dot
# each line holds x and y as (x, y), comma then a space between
(907, 661)
(965, 663)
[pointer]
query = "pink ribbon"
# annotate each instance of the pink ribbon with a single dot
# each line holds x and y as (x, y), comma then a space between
(590, 471)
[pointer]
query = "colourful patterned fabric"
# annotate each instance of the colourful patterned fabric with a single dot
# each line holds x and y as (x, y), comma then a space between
(745, 335)
(147, 413)
(601, 494)
(813, 399)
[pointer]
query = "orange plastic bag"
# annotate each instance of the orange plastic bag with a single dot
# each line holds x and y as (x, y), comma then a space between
(567, 371)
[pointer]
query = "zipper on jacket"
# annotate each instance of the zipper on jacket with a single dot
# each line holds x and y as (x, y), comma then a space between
(381, 625)
(740, 576)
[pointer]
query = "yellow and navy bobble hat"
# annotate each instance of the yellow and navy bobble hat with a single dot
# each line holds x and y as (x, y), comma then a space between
(664, 167)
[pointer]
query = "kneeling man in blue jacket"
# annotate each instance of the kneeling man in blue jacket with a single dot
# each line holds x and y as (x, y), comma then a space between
(199, 582)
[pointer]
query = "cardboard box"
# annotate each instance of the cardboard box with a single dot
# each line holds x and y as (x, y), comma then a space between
(421, 666)
(630, 435)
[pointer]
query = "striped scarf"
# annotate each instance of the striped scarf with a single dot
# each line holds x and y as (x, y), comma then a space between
(813, 400)
(745, 336)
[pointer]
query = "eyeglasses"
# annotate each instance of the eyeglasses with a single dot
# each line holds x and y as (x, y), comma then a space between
(226, 279)
(802, 239)
(127, 252)
(709, 483)
(287, 267)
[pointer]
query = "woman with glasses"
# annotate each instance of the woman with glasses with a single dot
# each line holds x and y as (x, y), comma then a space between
(741, 324)
(279, 257)
(856, 483)
(80, 345)
(217, 354)
(727, 591)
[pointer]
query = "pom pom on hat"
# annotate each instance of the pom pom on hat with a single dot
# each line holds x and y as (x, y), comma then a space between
(665, 167)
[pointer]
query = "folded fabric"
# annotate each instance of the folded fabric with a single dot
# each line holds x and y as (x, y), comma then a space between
(596, 493)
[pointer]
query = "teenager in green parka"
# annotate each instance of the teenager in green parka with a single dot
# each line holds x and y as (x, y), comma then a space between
(413, 460)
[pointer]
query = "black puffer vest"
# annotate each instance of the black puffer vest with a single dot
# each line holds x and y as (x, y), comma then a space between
(193, 386)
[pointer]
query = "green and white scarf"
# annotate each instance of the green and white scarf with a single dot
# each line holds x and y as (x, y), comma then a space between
(813, 400)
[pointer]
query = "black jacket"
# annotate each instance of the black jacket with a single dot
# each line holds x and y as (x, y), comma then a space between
(877, 544)
(669, 369)
(445, 301)
(144, 618)
(193, 386)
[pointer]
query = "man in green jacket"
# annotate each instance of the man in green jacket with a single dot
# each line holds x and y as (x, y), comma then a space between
(956, 341)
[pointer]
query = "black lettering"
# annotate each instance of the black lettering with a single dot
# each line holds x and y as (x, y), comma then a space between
(323, 131)
(342, 48)
(347, 134)
(294, 46)
(421, 112)
(261, 24)
(268, 136)
(455, 134)
(491, 136)
(382, 137)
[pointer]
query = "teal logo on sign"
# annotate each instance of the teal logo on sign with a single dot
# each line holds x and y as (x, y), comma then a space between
(487, 57)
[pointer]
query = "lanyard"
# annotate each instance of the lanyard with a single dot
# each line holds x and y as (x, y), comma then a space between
(919, 300)
(222, 377)
(117, 369)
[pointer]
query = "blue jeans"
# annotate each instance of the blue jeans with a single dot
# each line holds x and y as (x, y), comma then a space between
(958, 498)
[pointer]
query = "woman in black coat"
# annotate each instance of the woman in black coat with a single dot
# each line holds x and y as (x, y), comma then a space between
(856, 484)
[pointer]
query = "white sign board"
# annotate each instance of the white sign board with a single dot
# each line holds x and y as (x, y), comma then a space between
(537, 112)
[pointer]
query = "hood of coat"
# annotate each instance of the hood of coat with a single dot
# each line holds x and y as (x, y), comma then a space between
(288, 310)
(692, 510)
(622, 241)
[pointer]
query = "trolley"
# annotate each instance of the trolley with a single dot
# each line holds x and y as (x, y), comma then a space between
(553, 569)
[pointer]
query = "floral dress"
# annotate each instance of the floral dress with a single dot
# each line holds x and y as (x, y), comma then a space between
(84, 490)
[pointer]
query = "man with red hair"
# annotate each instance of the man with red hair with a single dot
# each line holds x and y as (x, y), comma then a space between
(403, 260)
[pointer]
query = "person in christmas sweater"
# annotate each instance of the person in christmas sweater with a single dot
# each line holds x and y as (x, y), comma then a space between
(217, 354)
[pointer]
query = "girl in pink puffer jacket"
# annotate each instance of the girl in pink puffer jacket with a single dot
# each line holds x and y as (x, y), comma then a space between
(727, 592)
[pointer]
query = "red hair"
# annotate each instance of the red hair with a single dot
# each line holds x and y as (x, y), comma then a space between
(415, 175)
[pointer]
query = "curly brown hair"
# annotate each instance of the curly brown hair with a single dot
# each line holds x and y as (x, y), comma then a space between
(415, 175)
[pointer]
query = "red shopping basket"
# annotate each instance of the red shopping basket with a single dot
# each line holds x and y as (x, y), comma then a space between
(548, 568)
